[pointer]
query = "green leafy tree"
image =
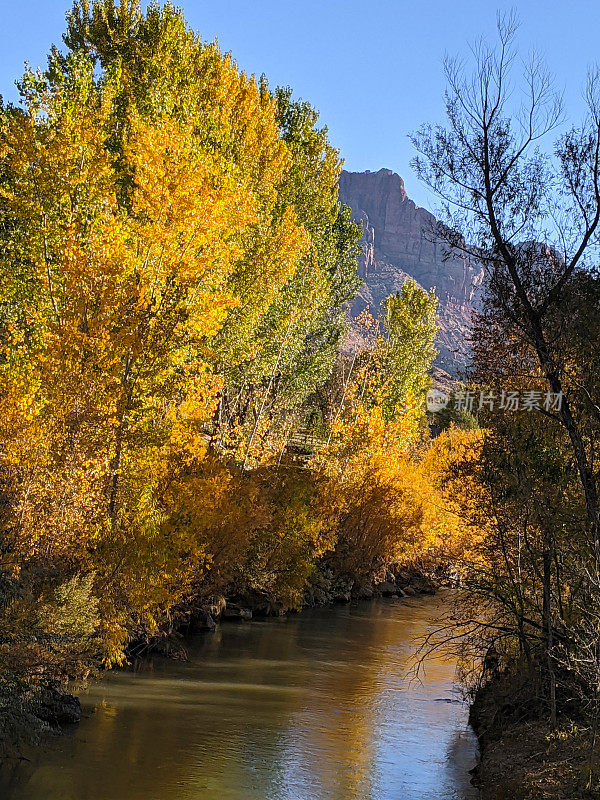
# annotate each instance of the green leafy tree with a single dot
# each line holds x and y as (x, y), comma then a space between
(274, 362)
(405, 351)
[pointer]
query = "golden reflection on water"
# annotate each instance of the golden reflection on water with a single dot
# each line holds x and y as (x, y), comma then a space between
(317, 706)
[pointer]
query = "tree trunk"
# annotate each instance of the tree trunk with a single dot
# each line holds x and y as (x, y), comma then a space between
(547, 617)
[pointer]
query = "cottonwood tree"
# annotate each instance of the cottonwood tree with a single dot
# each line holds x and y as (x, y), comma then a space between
(532, 216)
(129, 187)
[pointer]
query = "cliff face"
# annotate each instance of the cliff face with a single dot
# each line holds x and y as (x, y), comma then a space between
(399, 242)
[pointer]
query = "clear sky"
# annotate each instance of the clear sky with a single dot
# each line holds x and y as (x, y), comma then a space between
(373, 68)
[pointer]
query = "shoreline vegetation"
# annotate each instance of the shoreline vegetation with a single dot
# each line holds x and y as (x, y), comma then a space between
(181, 419)
(55, 710)
(528, 209)
(521, 756)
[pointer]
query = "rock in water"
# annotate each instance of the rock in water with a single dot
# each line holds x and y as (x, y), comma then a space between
(233, 611)
(399, 243)
(58, 709)
(387, 589)
(201, 621)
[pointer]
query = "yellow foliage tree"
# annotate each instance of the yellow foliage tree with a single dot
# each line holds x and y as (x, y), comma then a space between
(115, 267)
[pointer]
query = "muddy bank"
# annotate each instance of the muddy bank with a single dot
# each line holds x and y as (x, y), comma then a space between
(28, 718)
(521, 757)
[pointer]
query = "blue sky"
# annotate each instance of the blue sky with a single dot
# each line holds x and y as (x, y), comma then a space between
(373, 69)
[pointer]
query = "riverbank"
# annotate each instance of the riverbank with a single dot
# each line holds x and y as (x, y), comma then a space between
(320, 704)
(325, 587)
(28, 719)
(521, 757)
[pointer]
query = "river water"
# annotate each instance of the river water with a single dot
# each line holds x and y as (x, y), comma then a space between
(315, 706)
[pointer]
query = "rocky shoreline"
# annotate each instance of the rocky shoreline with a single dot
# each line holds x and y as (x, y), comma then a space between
(55, 709)
(27, 720)
(325, 588)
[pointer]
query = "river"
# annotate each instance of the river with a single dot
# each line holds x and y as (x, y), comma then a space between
(314, 706)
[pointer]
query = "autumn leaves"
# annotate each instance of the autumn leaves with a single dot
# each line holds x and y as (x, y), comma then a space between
(175, 267)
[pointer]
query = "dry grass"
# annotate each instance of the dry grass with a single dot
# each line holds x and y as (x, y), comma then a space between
(530, 763)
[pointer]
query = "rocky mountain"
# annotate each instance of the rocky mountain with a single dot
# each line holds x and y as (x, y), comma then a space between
(399, 242)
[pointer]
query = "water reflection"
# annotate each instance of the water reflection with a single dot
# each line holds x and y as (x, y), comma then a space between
(310, 707)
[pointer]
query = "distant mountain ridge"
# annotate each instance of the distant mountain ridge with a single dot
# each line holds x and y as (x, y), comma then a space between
(399, 243)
